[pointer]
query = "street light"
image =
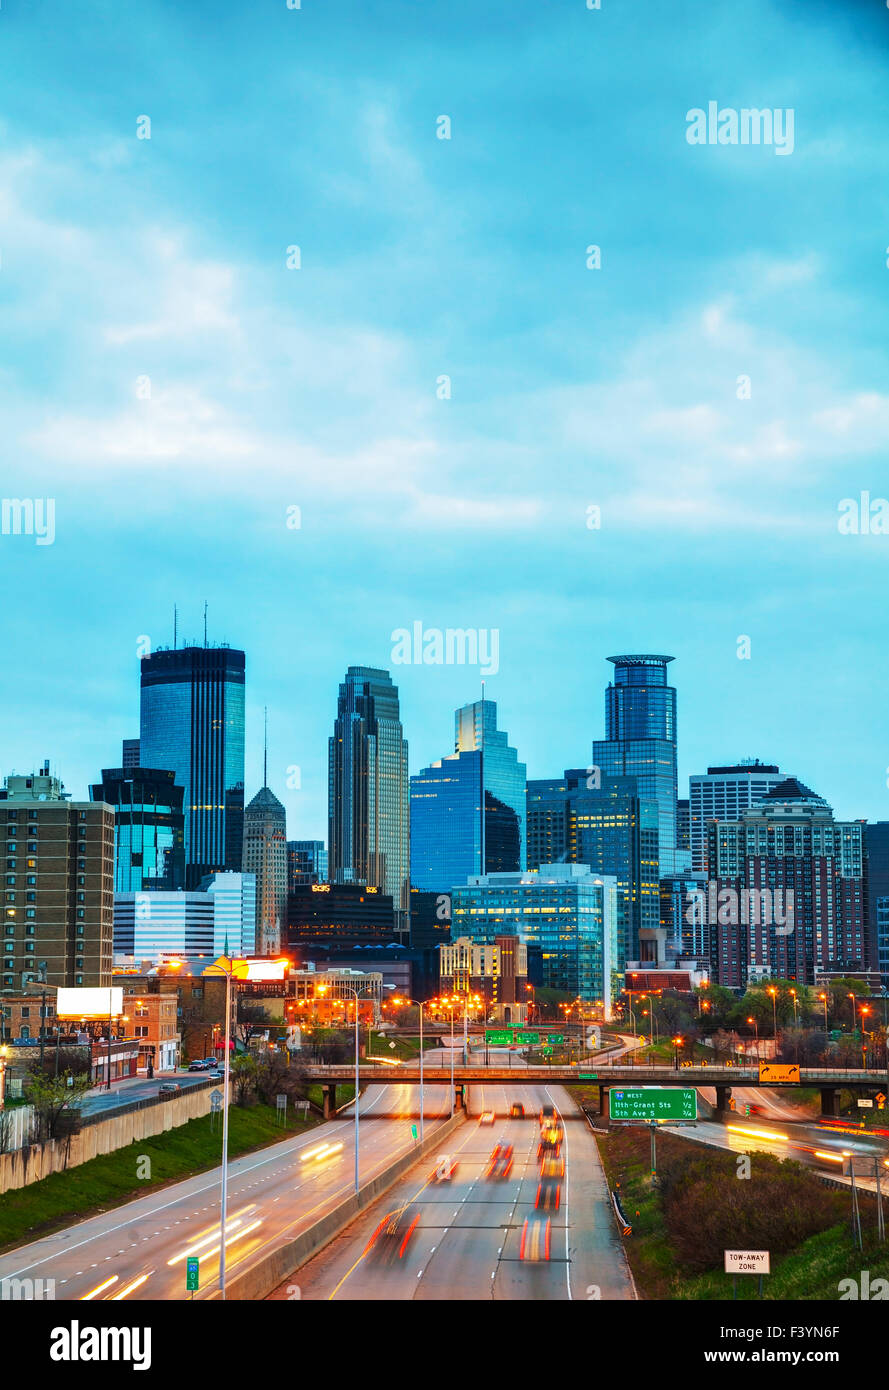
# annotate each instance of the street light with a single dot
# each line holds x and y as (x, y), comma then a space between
(852, 997)
(756, 1026)
(823, 998)
(420, 1004)
(355, 995)
(244, 970)
(774, 993)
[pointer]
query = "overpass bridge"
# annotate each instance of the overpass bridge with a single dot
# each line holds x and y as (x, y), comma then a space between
(829, 1080)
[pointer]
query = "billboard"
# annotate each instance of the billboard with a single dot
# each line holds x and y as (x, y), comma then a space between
(94, 1002)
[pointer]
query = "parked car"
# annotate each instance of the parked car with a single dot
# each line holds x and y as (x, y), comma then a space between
(211, 1063)
(197, 1066)
(168, 1088)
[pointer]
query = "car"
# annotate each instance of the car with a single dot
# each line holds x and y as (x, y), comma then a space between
(390, 1239)
(197, 1066)
(168, 1088)
(444, 1170)
(500, 1162)
(212, 1063)
(549, 1193)
(517, 1110)
(486, 1117)
(552, 1165)
(547, 1115)
(550, 1142)
(535, 1241)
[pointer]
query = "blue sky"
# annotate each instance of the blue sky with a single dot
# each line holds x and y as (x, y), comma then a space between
(272, 388)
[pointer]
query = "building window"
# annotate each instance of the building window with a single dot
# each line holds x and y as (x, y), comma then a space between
(30, 912)
(29, 946)
(30, 897)
(78, 964)
(79, 931)
(78, 979)
(81, 912)
(29, 929)
(31, 880)
(141, 1032)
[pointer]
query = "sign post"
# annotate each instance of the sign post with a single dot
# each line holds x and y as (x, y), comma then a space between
(192, 1269)
(746, 1262)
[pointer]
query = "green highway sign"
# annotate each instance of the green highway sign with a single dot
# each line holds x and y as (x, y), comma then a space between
(556, 1038)
(191, 1274)
(588, 1076)
(530, 1038)
(503, 1038)
(653, 1103)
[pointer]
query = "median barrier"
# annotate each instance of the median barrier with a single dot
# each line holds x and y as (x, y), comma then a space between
(270, 1271)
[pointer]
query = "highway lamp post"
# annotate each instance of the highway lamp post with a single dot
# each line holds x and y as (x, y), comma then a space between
(774, 993)
(756, 1026)
(677, 1043)
(420, 1003)
(852, 997)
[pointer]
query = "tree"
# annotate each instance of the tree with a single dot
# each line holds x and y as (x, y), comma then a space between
(253, 1018)
(56, 1102)
(278, 1075)
(243, 1070)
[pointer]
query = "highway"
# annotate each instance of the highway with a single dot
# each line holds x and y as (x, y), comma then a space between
(808, 1143)
(466, 1242)
(273, 1193)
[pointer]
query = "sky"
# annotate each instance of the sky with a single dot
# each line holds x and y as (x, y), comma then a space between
(444, 387)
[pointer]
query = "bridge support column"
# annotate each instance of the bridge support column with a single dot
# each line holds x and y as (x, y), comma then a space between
(722, 1098)
(604, 1113)
(830, 1101)
(459, 1096)
(328, 1096)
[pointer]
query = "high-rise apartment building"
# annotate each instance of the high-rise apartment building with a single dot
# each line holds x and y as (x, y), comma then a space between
(306, 863)
(192, 724)
(876, 844)
(368, 789)
(725, 793)
(149, 827)
(640, 740)
(602, 822)
(786, 891)
(265, 856)
(59, 886)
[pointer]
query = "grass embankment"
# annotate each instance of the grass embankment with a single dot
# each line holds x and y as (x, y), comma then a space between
(111, 1179)
(343, 1095)
(701, 1207)
(405, 1049)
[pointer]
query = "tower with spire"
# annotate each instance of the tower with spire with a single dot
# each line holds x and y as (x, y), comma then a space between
(265, 856)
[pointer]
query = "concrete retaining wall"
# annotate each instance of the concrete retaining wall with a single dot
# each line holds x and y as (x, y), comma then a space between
(273, 1269)
(102, 1135)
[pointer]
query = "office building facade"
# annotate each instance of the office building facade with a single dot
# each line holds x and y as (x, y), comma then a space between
(876, 844)
(196, 926)
(725, 793)
(149, 827)
(369, 791)
(192, 724)
(306, 863)
(640, 740)
(563, 912)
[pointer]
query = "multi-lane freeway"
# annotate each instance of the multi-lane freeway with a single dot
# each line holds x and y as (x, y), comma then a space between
(139, 1250)
(466, 1241)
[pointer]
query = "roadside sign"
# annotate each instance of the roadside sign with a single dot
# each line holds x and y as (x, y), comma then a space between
(530, 1039)
(865, 1105)
(747, 1262)
(413, 1131)
(215, 1100)
(777, 1072)
(556, 1038)
(499, 1038)
(653, 1103)
(191, 1274)
(588, 1076)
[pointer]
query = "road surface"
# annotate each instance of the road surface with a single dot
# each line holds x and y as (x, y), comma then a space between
(466, 1242)
(272, 1194)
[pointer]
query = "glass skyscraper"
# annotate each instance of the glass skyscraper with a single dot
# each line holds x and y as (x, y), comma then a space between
(448, 839)
(640, 739)
(565, 912)
(192, 723)
(306, 863)
(610, 829)
(265, 857)
(368, 789)
(149, 827)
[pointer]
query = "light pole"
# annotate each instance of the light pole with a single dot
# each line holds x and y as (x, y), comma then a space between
(823, 998)
(420, 1005)
(773, 992)
(347, 989)
(852, 997)
(756, 1026)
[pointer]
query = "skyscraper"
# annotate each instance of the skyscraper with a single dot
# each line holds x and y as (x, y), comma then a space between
(192, 724)
(148, 827)
(368, 789)
(876, 843)
(448, 837)
(640, 739)
(306, 863)
(265, 856)
(724, 793)
(613, 831)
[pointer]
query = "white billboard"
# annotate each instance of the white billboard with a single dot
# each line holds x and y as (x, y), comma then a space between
(94, 1002)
